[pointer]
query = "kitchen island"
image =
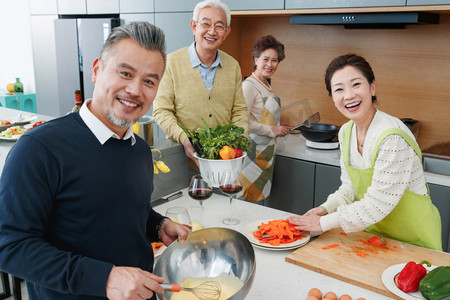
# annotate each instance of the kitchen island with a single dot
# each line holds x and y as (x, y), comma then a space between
(274, 278)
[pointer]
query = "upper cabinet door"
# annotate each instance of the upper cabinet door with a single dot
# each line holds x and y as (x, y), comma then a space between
(254, 4)
(427, 2)
(102, 6)
(133, 17)
(71, 7)
(299, 4)
(176, 27)
(175, 5)
(43, 7)
(136, 6)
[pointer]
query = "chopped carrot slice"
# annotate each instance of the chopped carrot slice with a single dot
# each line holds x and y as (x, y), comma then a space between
(343, 233)
(330, 246)
(364, 242)
(362, 254)
(280, 232)
(377, 241)
(156, 245)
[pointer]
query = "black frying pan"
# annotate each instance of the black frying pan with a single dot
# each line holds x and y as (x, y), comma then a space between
(319, 132)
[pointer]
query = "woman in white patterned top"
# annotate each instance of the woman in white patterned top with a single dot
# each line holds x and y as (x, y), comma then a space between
(383, 187)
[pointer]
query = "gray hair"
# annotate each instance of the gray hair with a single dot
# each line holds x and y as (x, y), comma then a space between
(212, 3)
(147, 35)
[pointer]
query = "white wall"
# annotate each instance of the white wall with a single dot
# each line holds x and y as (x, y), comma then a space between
(16, 57)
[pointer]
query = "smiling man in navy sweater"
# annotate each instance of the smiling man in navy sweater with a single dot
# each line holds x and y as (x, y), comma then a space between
(75, 214)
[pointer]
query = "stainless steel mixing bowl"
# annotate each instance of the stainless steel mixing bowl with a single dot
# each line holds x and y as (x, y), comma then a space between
(208, 252)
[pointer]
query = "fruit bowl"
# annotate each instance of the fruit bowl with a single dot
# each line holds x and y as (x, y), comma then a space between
(212, 169)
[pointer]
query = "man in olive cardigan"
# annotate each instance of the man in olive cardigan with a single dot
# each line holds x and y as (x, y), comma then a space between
(201, 81)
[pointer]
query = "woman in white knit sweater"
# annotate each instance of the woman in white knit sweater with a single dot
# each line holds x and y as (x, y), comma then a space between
(383, 187)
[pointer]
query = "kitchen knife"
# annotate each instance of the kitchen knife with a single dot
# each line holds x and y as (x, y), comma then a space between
(162, 200)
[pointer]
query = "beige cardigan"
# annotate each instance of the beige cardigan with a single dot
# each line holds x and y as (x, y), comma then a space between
(182, 96)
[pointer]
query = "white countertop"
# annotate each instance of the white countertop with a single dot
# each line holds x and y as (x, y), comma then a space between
(274, 278)
(294, 146)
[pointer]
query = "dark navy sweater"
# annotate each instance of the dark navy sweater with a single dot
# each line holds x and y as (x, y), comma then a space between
(71, 209)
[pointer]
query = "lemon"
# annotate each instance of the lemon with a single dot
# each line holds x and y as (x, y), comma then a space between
(10, 87)
(196, 226)
(135, 128)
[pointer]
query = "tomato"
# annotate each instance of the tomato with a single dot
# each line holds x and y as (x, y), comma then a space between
(38, 123)
(238, 152)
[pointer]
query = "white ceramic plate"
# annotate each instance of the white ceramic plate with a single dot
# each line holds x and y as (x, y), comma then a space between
(14, 138)
(388, 280)
(261, 246)
(23, 120)
(250, 228)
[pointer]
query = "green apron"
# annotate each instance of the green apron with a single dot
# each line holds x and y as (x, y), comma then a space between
(415, 219)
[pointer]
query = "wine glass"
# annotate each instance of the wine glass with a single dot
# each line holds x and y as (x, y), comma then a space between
(230, 184)
(179, 214)
(199, 189)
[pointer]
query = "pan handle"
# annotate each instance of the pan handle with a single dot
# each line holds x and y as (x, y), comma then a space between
(296, 127)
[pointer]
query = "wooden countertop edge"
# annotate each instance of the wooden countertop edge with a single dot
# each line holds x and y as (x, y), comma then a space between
(443, 9)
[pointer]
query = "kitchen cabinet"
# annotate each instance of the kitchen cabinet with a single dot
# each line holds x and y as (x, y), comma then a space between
(440, 195)
(82, 7)
(255, 4)
(102, 6)
(175, 5)
(299, 185)
(304, 4)
(71, 7)
(43, 7)
(177, 29)
(327, 181)
(178, 178)
(292, 185)
(129, 17)
(136, 6)
(427, 2)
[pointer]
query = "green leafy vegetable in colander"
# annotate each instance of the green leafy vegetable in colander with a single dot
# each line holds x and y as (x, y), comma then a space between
(212, 140)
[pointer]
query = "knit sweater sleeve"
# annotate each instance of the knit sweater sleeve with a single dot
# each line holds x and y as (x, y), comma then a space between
(393, 171)
(164, 105)
(239, 113)
(253, 98)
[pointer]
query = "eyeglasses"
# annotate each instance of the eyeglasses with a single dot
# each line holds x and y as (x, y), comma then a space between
(219, 28)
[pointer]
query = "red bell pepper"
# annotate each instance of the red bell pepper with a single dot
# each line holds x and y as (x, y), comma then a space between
(410, 276)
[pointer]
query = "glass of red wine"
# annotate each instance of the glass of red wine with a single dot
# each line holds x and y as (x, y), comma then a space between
(230, 184)
(199, 189)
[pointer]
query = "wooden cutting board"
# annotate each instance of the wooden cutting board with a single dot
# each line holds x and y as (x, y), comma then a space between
(344, 263)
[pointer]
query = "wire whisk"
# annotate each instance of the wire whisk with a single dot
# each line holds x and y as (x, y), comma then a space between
(208, 290)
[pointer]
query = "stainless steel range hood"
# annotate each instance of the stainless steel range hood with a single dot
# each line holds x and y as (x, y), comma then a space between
(368, 20)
